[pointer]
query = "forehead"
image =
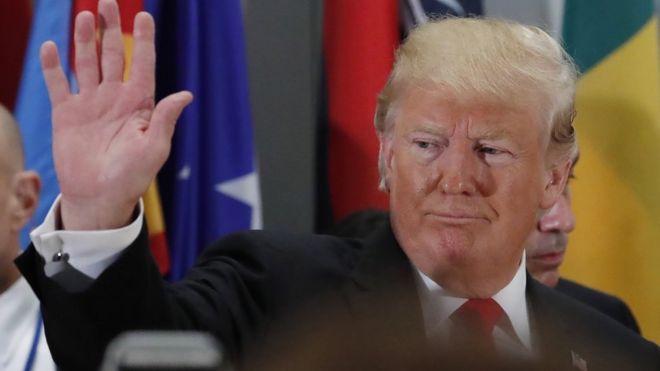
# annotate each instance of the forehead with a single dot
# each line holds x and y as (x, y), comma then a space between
(439, 111)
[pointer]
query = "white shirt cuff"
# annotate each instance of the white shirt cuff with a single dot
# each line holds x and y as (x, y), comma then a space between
(90, 252)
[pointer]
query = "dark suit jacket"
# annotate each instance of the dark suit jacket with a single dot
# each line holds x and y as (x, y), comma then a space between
(249, 285)
(607, 304)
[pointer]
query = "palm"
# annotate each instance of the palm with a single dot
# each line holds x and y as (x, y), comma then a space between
(107, 127)
(109, 140)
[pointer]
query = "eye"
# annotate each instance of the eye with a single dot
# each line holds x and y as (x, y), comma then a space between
(489, 150)
(423, 144)
(425, 147)
(495, 155)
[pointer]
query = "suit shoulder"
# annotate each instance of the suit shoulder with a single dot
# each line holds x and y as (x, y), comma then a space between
(591, 332)
(294, 245)
(284, 255)
(607, 304)
(579, 291)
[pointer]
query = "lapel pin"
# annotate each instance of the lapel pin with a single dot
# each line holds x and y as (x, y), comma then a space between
(578, 362)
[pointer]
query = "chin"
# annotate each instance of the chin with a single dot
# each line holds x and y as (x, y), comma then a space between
(450, 244)
(549, 279)
(436, 256)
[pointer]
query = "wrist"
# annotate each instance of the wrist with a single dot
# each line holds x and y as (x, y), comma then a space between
(88, 215)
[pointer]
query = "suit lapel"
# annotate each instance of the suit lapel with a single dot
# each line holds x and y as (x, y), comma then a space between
(382, 259)
(382, 291)
(552, 334)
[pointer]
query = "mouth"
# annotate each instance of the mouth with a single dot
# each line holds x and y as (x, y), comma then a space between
(457, 218)
(550, 259)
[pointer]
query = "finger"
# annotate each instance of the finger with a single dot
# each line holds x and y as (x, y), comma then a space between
(56, 82)
(166, 113)
(87, 68)
(112, 46)
(144, 56)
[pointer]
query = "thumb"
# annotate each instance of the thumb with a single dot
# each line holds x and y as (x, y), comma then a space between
(166, 113)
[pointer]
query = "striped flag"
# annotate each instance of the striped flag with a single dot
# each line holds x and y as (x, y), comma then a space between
(414, 12)
(210, 183)
(53, 21)
(617, 193)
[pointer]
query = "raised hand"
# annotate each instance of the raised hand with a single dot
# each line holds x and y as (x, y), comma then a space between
(109, 140)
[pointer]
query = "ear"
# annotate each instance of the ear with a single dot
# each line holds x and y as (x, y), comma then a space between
(385, 159)
(555, 180)
(25, 198)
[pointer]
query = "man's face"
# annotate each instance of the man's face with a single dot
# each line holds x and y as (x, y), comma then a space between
(546, 244)
(466, 182)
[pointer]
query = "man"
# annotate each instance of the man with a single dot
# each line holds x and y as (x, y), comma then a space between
(545, 250)
(22, 343)
(476, 134)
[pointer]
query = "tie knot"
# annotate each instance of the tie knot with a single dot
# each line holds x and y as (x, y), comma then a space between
(479, 314)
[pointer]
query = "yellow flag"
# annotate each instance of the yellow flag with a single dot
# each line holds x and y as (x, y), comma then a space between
(616, 244)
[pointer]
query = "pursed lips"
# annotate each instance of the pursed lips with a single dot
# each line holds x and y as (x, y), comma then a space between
(457, 217)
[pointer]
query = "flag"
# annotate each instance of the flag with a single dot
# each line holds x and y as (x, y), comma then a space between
(359, 40)
(15, 21)
(414, 12)
(615, 196)
(210, 184)
(52, 21)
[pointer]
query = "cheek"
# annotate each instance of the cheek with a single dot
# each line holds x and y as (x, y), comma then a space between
(516, 202)
(519, 191)
(407, 194)
(415, 176)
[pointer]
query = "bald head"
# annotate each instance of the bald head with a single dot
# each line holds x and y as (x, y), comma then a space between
(11, 146)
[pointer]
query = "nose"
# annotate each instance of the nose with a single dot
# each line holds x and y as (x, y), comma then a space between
(459, 170)
(560, 217)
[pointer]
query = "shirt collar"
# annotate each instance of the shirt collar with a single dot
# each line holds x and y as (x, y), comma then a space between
(438, 304)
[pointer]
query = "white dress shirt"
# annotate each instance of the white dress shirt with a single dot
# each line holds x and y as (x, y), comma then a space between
(438, 305)
(90, 252)
(19, 312)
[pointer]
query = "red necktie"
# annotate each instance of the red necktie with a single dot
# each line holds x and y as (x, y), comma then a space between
(474, 322)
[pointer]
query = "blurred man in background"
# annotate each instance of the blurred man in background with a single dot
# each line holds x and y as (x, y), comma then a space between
(545, 250)
(22, 341)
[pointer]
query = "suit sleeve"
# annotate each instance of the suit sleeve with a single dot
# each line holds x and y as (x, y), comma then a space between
(221, 296)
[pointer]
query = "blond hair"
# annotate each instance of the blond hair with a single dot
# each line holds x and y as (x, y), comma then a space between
(491, 59)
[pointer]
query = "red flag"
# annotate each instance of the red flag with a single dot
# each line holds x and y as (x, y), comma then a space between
(15, 20)
(360, 38)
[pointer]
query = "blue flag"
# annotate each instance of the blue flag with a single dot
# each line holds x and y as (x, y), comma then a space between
(51, 21)
(210, 184)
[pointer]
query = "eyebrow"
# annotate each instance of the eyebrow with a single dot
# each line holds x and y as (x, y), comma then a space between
(429, 128)
(491, 134)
